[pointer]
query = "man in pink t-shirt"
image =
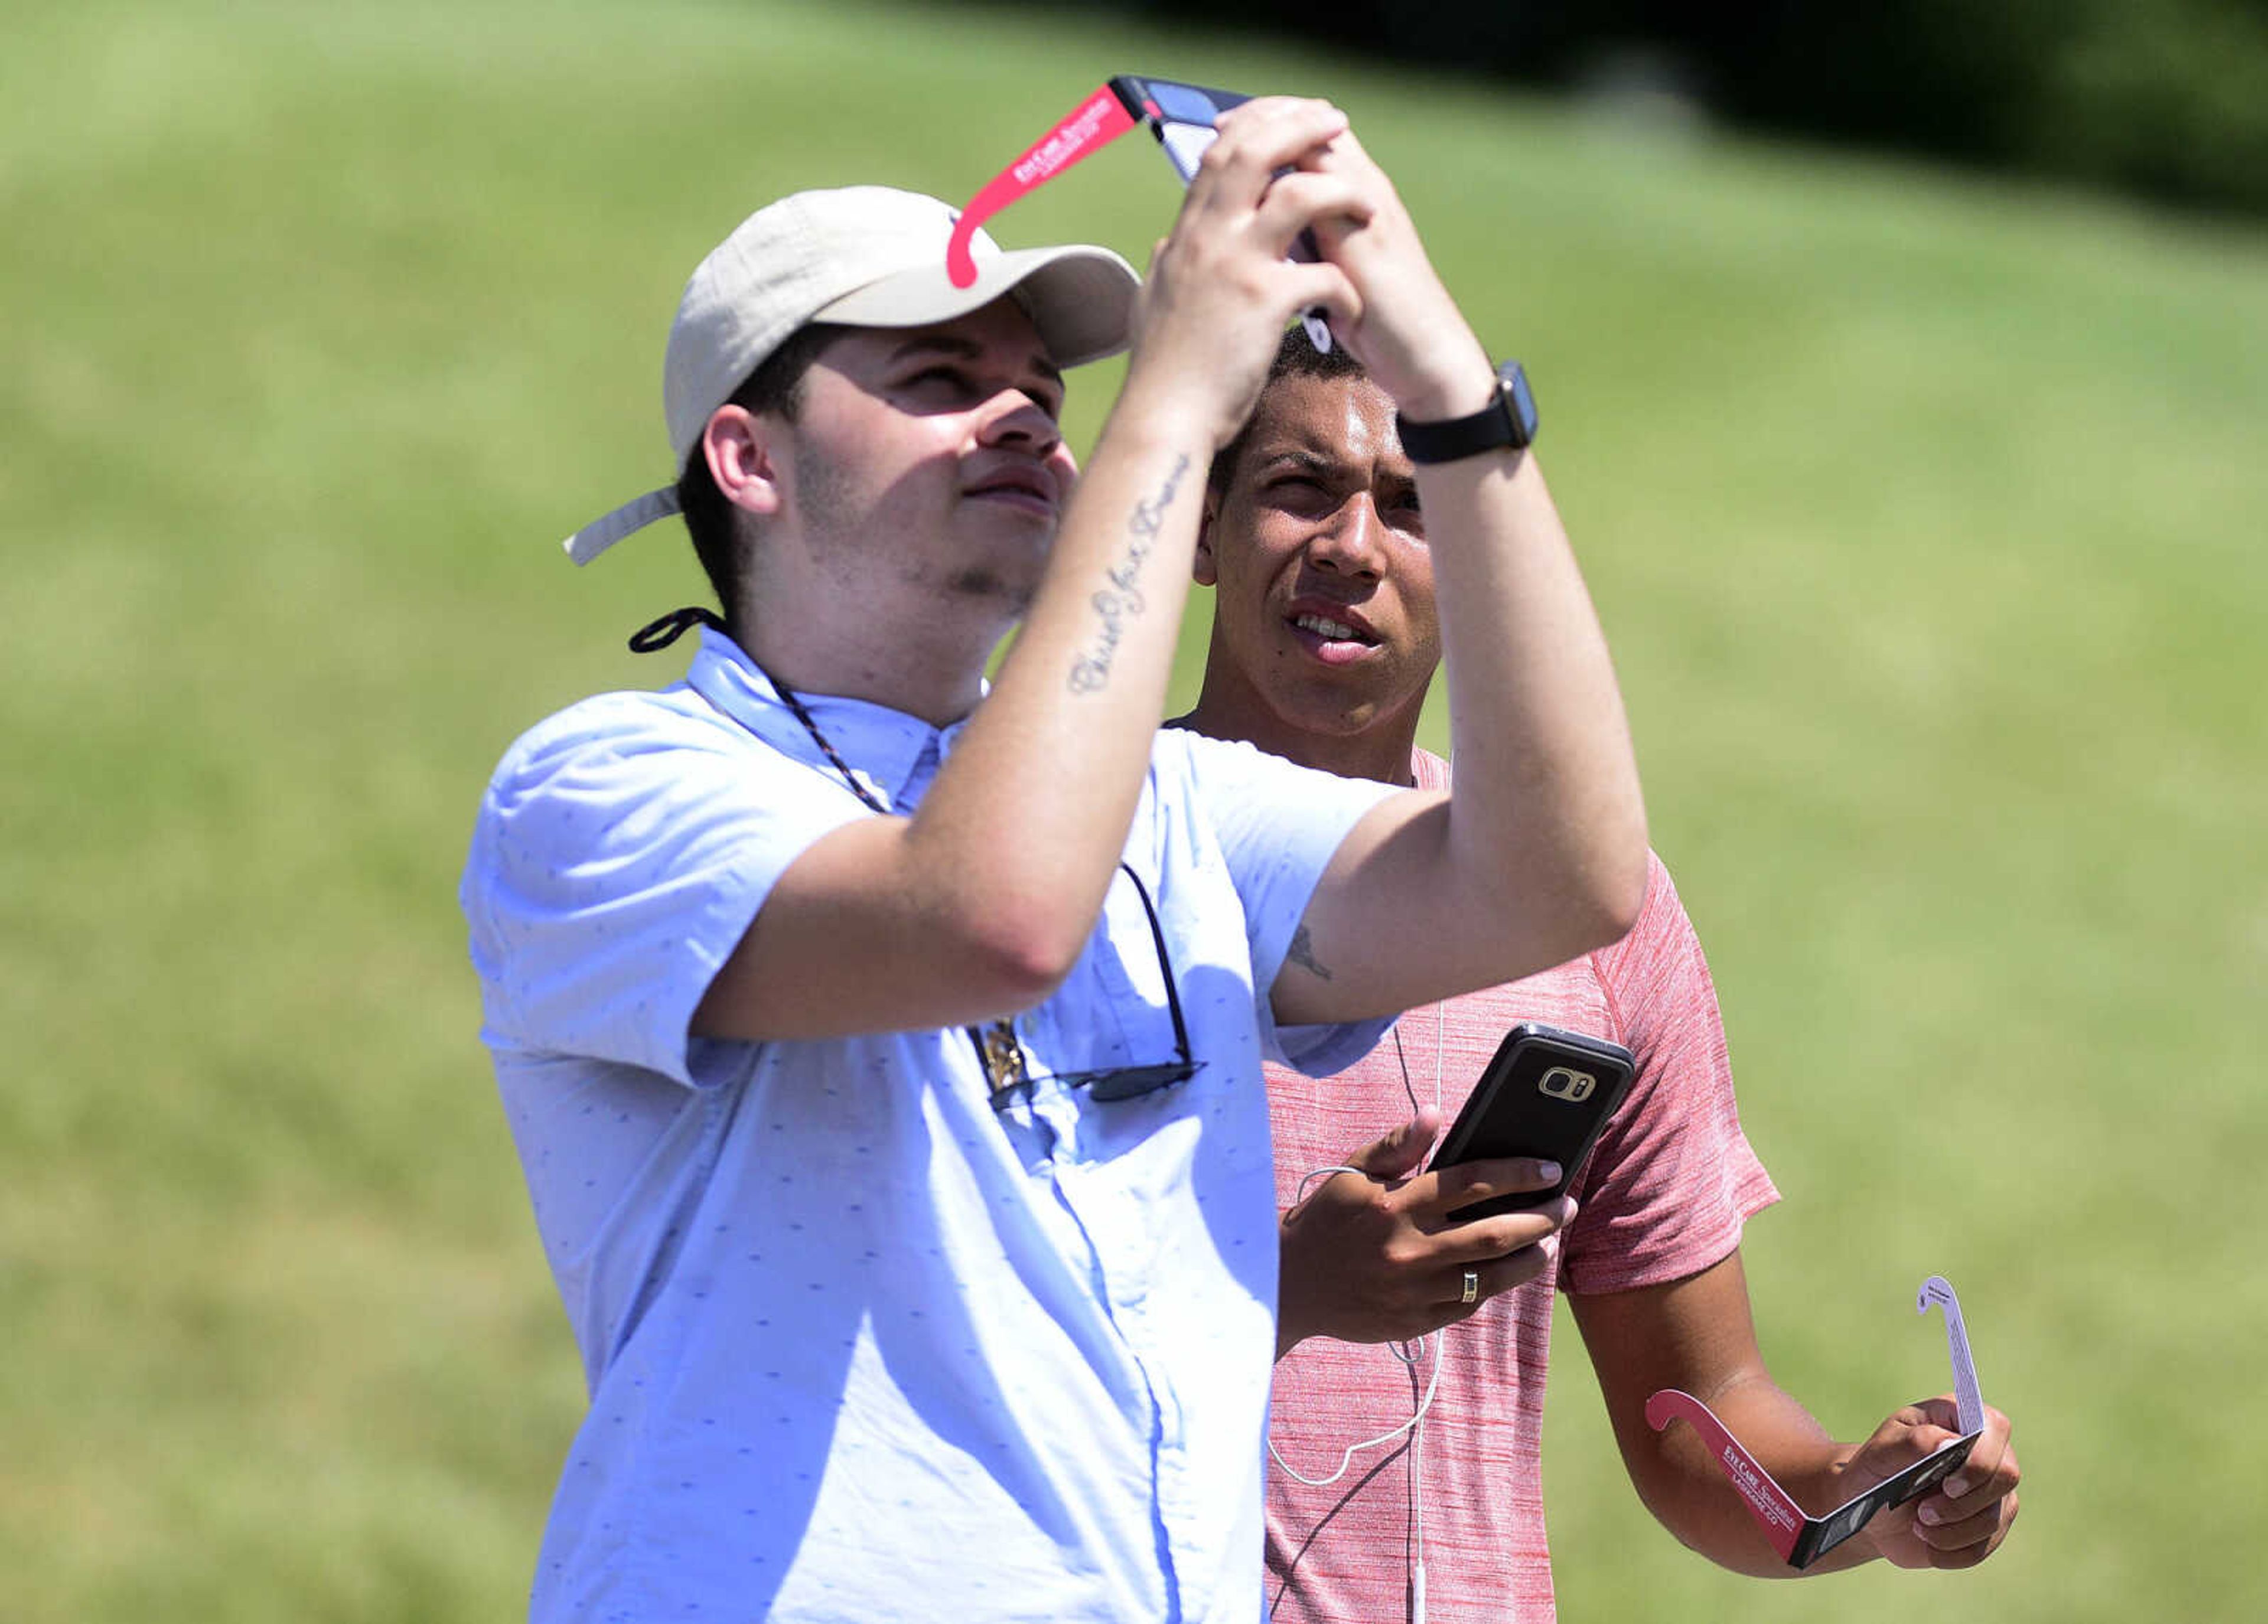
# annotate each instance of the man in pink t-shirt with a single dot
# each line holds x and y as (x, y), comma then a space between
(1325, 641)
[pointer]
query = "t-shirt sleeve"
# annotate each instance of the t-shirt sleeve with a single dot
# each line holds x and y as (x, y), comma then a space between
(1277, 825)
(1673, 1178)
(622, 851)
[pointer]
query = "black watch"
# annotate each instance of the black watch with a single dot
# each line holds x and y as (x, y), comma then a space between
(1508, 419)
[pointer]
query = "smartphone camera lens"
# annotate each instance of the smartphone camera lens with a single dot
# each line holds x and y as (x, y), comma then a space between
(1573, 1086)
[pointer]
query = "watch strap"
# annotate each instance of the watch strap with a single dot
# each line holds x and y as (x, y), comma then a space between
(1507, 419)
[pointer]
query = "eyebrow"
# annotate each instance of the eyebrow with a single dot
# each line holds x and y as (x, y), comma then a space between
(1310, 460)
(1297, 456)
(968, 350)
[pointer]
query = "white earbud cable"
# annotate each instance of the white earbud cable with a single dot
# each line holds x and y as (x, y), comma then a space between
(1409, 1353)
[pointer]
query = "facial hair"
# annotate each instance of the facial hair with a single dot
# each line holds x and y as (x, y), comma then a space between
(831, 512)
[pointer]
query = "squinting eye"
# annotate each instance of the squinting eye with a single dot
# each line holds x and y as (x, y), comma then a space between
(963, 386)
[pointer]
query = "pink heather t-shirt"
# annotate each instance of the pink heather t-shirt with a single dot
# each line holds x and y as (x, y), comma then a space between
(1664, 1195)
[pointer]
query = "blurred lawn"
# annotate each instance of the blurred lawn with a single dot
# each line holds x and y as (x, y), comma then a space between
(1925, 517)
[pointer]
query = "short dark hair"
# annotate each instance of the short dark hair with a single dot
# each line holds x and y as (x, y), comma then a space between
(775, 387)
(1296, 356)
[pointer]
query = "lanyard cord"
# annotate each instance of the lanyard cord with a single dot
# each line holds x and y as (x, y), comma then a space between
(997, 1051)
(657, 634)
(996, 1048)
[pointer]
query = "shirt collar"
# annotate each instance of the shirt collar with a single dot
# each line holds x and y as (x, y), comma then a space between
(894, 753)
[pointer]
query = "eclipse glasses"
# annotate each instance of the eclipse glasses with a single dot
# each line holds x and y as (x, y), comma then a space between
(1183, 117)
(1802, 1540)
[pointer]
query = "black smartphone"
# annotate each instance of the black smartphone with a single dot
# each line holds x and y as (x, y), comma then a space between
(1547, 1094)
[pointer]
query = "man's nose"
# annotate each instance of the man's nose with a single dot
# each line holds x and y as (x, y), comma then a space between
(1348, 542)
(1014, 418)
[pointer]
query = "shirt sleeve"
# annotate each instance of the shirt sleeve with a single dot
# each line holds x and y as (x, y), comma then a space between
(1673, 1178)
(622, 851)
(1278, 824)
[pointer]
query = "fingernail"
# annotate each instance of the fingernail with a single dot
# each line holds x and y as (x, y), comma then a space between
(1931, 1515)
(1957, 1487)
(1549, 1171)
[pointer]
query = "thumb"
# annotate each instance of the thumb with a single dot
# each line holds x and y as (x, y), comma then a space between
(1400, 1153)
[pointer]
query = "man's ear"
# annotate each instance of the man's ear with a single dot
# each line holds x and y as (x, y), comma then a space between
(1205, 568)
(739, 448)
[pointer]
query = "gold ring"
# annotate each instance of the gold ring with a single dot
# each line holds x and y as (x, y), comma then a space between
(1472, 1288)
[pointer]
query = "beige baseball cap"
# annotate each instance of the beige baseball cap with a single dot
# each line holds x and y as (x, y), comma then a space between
(867, 256)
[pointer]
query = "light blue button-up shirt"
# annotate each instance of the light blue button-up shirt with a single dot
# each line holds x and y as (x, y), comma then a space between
(861, 1347)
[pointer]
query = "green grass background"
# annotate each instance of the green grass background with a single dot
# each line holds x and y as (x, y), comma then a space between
(1926, 516)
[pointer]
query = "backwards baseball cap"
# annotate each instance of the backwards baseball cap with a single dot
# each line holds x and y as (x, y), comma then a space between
(866, 256)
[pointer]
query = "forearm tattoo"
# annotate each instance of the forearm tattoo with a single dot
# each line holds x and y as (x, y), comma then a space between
(1122, 598)
(1302, 952)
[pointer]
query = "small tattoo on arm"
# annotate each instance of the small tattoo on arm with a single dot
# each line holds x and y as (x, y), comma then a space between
(1302, 952)
(1122, 598)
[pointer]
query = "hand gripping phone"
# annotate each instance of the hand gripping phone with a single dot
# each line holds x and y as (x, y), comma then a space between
(1547, 1094)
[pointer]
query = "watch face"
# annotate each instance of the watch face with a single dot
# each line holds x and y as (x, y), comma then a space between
(1521, 398)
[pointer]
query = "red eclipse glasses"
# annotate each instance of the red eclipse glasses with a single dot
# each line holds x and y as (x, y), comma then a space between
(1803, 1539)
(1182, 116)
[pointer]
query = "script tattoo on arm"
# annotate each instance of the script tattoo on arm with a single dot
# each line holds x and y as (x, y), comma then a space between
(1122, 598)
(1302, 952)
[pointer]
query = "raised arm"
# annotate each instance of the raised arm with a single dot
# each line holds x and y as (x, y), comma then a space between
(980, 903)
(1539, 854)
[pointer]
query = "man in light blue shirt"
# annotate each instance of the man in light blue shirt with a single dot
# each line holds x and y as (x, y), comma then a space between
(885, 1066)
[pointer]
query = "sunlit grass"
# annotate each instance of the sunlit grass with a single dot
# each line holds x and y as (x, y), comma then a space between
(1925, 515)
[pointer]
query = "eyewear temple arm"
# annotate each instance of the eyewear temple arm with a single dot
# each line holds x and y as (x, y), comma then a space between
(1773, 1508)
(1097, 122)
(1970, 1402)
(1181, 115)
